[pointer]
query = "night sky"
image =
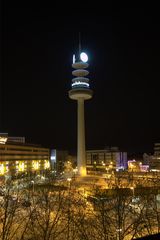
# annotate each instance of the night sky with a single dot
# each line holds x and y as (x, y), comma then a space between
(123, 45)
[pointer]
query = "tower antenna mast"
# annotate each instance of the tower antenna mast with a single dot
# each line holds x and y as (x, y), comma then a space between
(79, 44)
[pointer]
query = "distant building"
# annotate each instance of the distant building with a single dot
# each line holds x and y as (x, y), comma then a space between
(106, 160)
(157, 150)
(16, 139)
(134, 166)
(58, 159)
(137, 166)
(146, 158)
(17, 157)
(154, 161)
(144, 168)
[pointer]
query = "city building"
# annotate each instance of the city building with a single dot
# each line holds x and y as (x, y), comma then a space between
(80, 92)
(59, 158)
(4, 138)
(157, 150)
(154, 160)
(137, 166)
(134, 166)
(106, 160)
(18, 157)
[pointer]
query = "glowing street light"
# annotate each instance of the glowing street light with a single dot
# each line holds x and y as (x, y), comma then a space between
(132, 188)
(69, 181)
(32, 185)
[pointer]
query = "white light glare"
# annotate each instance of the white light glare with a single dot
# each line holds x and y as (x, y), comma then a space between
(80, 83)
(84, 57)
(74, 58)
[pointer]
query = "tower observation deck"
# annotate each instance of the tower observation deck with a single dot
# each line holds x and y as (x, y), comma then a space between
(80, 91)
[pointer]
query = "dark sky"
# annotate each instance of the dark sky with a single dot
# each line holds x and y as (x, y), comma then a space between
(123, 45)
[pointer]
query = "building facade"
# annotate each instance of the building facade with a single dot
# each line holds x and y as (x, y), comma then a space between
(21, 158)
(58, 159)
(106, 160)
(154, 161)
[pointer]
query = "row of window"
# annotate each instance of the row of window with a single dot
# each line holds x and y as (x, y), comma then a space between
(23, 159)
(24, 149)
(22, 166)
(24, 154)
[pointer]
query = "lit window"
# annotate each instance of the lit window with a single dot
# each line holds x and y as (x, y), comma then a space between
(1, 169)
(21, 167)
(35, 165)
(46, 164)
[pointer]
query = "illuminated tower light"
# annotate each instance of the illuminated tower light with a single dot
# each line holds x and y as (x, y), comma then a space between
(80, 92)
(84, 57)
(83, 84)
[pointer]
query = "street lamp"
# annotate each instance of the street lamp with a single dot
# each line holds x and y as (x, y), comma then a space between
(132, 188)
(75, 170)
(118, 230)
(69, 181)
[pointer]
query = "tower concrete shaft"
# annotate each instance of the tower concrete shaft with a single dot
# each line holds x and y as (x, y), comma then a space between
(81, 152)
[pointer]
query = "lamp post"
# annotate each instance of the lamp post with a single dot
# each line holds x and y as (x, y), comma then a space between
(118, 230)
(132, 188)
(69, 182)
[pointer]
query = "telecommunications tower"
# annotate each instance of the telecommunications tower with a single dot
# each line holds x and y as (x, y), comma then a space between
(80, 91)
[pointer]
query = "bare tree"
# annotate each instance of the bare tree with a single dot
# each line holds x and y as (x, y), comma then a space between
(11, 216)
(45, 216)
